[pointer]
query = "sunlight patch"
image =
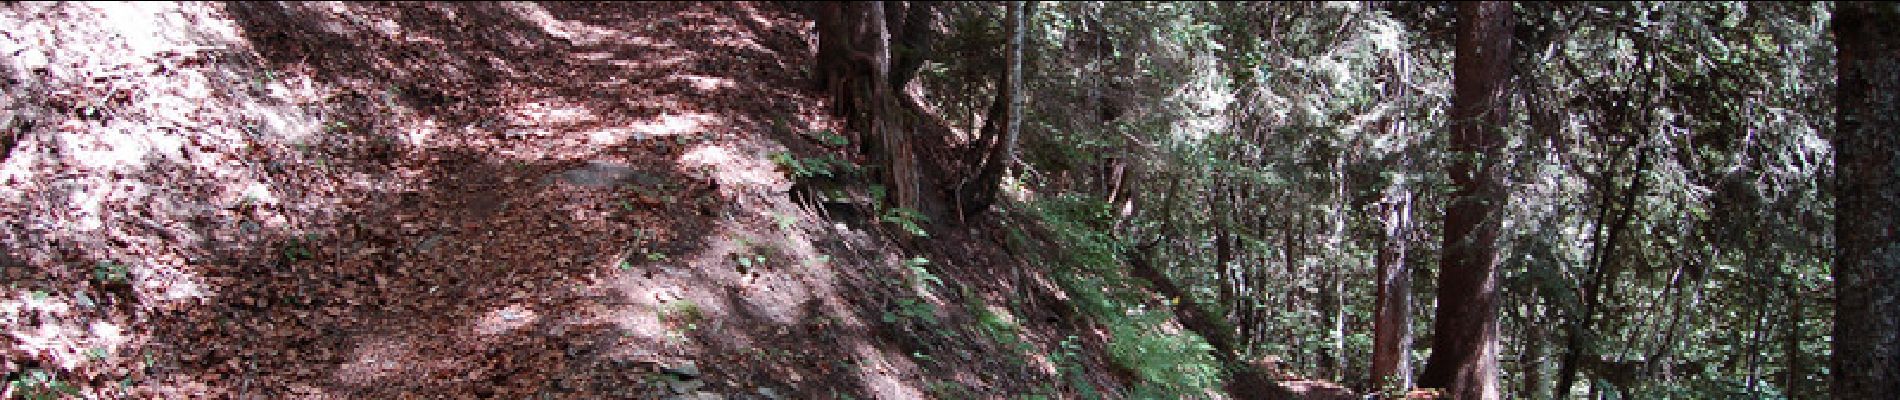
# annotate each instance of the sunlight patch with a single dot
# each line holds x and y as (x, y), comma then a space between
(536, 113)
(882, 373)
(69, 345)
(706, 82)
(120, 148)
(505, 319)
(153, 27)
(167, 282)
(376, 360)
(672, 124)
(733, 169)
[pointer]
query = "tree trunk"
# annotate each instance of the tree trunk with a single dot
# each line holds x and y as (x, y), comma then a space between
(1602, 270)
(1791, 341)
(854, 59)
(1464, 357)
(1866, 362)
(1392, 319)
(988, 181)
(911, 23)
(1532, 362)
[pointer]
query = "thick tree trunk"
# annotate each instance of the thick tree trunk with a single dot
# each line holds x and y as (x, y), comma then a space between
(1464, 357)
(854, 58)
(1392, 318)
(1866, 362)
(865, 49)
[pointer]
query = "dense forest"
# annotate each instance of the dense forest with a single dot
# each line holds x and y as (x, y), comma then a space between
(903, 199)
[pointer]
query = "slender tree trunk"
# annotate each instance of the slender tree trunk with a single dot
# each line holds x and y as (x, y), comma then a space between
(1464, 357)
(1603, 263)
(1866, 362)
(1336, 240)
(988, 181)
(1392, 318)
(1791, 341)
(1753, 352)
(1533, 359)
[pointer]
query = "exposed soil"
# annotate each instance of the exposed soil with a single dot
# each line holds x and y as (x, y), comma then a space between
(564, 200)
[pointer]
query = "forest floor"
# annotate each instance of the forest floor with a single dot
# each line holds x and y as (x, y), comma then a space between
(459, 200)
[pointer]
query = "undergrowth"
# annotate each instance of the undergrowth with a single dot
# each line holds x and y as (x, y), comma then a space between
(1169, 364)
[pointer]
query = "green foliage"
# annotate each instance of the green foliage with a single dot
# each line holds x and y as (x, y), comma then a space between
(833, 139)
(997, 327)
(947, 389)
(748, 261)
(785, 222)
(920, 276)
(907, 219)
(909, 309)
(296, 249)
(1171, 365)
(39, 384)
(681, 314)
(807, 167)
(111, 272)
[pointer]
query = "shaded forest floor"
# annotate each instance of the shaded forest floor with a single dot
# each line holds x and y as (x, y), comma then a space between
(557, 200)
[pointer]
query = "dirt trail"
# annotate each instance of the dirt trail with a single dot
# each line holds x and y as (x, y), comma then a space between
(353, 200)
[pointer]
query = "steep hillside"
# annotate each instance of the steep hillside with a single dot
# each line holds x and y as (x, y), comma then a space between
(557, 200)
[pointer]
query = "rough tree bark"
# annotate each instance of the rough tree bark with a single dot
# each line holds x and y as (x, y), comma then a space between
(855, 66)
(1866, 363)
(1464, 358)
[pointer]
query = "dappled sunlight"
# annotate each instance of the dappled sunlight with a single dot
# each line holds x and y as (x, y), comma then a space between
(885, 375)
(378, 200)
(69, 345)
(535, 113)
(735, 170)
(505, 320)
(671, 125)
(379, 359)
(707, 83)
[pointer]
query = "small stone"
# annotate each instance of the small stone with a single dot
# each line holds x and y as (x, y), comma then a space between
(699, 396)
(428, 243)
(769, 394)
(684, 385)
(685, 370)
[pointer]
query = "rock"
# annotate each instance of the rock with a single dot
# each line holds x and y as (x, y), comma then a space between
(769, 394)
(684, 385)
(699, 396)
(428, 243)
(605, 174)
(684, 370)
